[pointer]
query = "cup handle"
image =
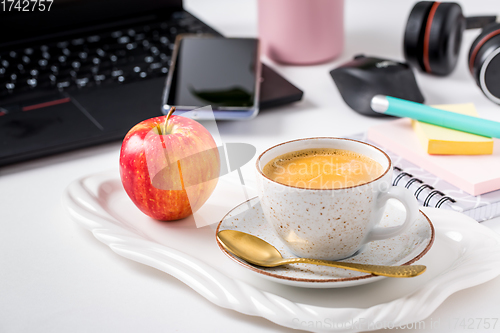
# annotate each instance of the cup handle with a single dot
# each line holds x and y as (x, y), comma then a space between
(411, 206)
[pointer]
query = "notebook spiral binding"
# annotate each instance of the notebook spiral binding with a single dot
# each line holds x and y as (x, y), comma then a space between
(425, 193)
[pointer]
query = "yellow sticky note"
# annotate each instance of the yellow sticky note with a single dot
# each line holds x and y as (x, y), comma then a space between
(438, 140)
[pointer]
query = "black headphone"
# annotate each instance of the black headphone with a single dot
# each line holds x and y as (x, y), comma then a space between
(433, 37)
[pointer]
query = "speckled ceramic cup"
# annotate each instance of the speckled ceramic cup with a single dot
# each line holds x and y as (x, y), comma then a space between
(331, 223)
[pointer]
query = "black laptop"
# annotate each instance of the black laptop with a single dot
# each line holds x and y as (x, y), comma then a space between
(86, 71)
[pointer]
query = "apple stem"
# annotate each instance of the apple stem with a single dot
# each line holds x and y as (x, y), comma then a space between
(165, 125)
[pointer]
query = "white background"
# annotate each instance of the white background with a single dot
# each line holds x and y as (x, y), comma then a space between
(56, 277)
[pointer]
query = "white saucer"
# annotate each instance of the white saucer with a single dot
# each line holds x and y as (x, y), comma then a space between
(403, 249)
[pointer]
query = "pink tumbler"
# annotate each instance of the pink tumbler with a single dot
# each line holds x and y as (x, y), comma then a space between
(301, 32)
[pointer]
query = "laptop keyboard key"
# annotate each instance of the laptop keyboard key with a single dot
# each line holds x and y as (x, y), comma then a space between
(116, 34)
(123, 40)
(82, 82)
(62, 44)
(116, 72)
(155, 66)
(101, 52)
(52, 78)
(93, 39)
(154, 50)
(78, 41)
(99, 78)
(32, 83)
(63, 84)
(131, 46)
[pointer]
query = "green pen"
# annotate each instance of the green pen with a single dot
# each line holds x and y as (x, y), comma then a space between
(402, 108)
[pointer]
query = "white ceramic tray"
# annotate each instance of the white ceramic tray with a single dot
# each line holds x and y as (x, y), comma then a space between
(464, 254)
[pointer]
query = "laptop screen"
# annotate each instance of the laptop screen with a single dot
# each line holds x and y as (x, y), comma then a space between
(25, 20)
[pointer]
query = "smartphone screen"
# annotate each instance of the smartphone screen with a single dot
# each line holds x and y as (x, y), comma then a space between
(221, 72)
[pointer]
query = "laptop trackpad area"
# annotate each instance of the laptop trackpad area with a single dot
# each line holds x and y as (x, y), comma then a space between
(44, 125)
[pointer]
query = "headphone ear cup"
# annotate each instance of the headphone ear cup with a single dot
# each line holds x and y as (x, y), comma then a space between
(484, 61)
(415, 32)
(439, 29)
(445, 38)
(484, 36)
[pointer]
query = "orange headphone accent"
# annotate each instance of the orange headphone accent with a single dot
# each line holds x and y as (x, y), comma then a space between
(478, 46)
(427, 36)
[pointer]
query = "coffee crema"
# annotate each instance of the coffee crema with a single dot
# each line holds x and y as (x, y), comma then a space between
(322, 168)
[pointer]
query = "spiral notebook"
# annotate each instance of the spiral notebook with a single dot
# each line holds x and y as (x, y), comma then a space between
(432, 191)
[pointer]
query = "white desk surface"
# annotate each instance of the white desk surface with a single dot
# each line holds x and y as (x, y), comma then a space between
(56, 277)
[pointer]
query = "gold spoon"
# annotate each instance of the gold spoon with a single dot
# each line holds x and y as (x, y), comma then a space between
(259, 252)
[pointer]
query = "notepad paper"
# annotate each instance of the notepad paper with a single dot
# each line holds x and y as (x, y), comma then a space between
(479, 207)
(438, 140)
(474, 174)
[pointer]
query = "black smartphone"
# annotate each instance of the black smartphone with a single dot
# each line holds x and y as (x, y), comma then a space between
(221, 72)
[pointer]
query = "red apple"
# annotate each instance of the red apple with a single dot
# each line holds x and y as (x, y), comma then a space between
(169, 166)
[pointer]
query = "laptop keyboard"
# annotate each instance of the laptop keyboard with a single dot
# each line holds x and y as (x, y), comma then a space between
(112, 57)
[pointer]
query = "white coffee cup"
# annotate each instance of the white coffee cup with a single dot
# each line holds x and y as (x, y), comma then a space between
(335, 223)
